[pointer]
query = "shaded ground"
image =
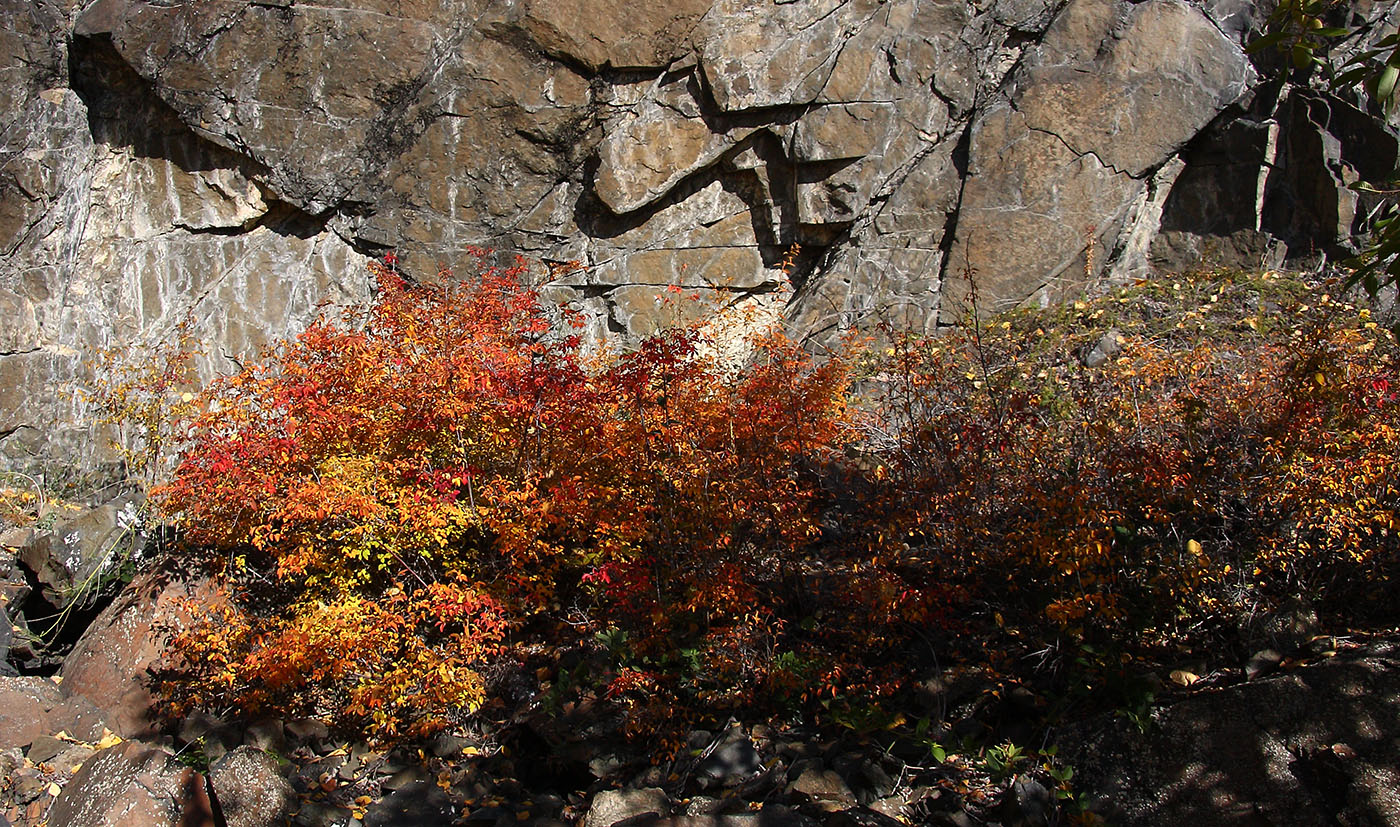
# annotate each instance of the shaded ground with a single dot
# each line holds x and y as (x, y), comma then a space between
(1314, 744)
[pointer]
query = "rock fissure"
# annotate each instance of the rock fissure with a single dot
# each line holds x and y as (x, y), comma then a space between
(1088, 153)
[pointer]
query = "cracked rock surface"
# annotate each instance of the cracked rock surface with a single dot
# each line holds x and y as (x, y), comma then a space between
(230, 165)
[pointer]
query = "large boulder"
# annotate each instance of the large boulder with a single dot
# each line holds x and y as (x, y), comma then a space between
(109, 665)
(1108, 96)
(54, 581)
(133, 784)
(224, 68)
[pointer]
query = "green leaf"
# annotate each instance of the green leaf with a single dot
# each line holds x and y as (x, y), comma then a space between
(1385, 87)
(1265, 42)
(1302, 56)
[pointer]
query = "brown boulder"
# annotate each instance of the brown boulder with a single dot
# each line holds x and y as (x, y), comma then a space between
(250, 789)
(69, 561)
(824, 788)
(133, 785)
(25, 703)
(1109, 96)
(318, 105)
(109, 664)
(32, 706)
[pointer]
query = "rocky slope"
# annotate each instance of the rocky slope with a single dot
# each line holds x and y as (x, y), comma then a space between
(1308, 743)
(233, 162)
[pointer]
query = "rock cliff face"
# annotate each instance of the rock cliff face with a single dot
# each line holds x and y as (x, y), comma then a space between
(233, 162)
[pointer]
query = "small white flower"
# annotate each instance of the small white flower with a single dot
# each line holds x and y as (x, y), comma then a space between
(128, 517)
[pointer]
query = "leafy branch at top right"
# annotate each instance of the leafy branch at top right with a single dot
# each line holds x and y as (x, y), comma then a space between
(1352, 53)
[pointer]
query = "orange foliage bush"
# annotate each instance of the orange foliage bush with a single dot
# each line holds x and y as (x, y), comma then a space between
(406, 494)
(1220, 462)
(448, 453)
(395, 664)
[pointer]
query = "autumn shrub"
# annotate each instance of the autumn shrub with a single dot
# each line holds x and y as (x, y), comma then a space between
(1230, 452)
(395, 491)
(395, 664)
(412, 497)
(142, 394)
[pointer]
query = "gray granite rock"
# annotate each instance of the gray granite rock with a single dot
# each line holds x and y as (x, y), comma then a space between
(232, 165)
